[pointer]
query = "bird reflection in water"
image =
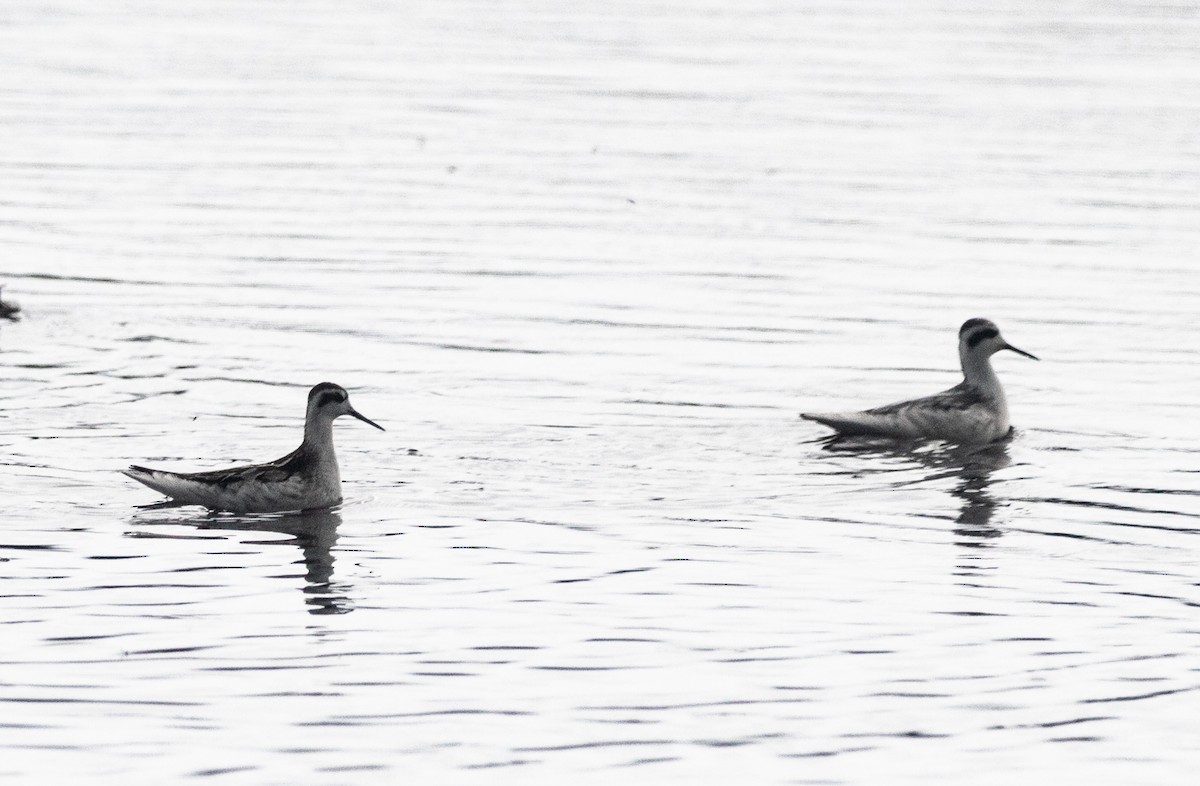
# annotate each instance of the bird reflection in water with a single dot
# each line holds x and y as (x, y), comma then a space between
(974, 470)
(314, 531)
(970, 466)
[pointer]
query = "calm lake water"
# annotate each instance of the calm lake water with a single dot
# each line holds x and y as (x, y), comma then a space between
(587, 263)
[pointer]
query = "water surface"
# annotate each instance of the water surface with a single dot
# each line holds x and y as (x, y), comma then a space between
(587, 265)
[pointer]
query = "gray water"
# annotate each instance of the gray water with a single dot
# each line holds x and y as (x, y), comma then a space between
(587, 263)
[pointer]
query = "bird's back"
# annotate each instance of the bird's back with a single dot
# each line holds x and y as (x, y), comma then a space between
(293, 482)
(960, 414)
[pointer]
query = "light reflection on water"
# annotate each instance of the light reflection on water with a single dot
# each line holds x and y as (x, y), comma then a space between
(587, 266)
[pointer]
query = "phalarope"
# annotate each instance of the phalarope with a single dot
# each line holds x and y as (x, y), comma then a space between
(973, 411)
(303, 479)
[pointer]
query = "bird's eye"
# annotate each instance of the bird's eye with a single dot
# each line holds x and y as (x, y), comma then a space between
(330, 397)
(982, 335)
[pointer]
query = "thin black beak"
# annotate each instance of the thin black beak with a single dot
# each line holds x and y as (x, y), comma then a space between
(365, 419)
(1007, 346)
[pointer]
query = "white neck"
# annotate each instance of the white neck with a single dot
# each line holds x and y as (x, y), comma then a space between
(318, 436)
(977, 369)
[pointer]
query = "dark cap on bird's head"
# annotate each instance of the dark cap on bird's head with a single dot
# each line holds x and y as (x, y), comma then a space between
(978, 330)
(327, 394)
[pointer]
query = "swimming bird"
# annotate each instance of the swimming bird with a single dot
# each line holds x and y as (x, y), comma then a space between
(304, 479)
(973, 411)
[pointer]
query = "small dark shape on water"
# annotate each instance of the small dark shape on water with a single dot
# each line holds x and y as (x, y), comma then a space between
(9, 311)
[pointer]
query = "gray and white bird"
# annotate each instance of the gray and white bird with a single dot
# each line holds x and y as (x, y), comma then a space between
(304, 479)
(972, 412)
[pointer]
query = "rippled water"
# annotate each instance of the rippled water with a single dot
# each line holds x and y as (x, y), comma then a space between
(587, 264)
